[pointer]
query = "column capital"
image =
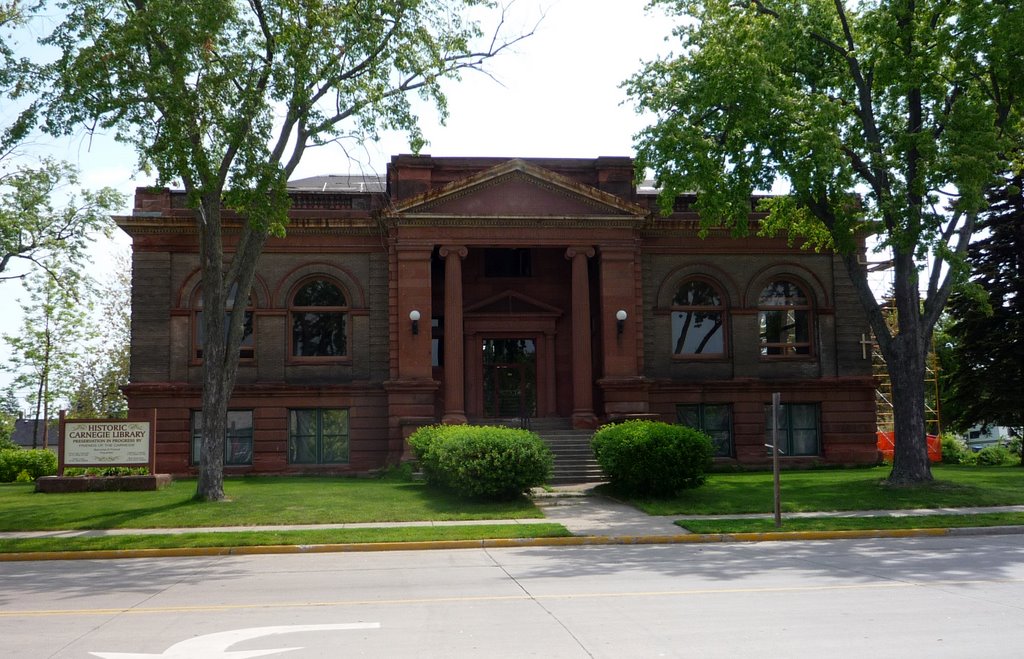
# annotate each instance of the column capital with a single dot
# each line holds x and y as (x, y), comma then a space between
(412, 253)
(585, 250)
(457, 250)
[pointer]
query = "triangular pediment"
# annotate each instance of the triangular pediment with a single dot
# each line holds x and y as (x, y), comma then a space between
(511, 303)
(517, 189)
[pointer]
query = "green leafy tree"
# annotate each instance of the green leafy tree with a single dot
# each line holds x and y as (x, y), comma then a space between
(7, 430)
(225, 97)
(985, 384)
(10, 411)
(13, 72)
(43, 351)
(887, 120)
(102, 367)
(34, 231)
(9, 402)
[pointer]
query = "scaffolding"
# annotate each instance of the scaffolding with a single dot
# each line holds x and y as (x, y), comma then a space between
(883, 394)
(884, 414)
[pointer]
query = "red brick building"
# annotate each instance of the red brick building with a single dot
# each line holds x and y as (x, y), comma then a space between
(542, 288)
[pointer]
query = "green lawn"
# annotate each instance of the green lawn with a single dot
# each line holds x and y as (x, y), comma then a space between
(851, 523)
(843, 489)
(321, 500)
(253, 501)
(266, 538)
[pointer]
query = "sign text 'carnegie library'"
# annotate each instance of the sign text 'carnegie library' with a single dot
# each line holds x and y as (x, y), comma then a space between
(106, 442)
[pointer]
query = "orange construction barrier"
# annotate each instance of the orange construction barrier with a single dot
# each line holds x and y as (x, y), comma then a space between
(886, 444)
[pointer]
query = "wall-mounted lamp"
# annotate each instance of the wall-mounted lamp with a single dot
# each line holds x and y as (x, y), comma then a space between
(414, 316)
(620, 320)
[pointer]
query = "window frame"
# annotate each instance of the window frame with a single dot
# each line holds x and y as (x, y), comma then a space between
(789, 350)
(195, 437)
(345, 312)
(786, 428)
(318, 437)
(247, 350)
(702, 409)
(721, 309)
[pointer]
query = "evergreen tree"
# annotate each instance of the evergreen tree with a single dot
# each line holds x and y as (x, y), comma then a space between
(986, 382)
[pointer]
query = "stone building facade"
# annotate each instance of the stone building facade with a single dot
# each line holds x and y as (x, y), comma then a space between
(541, 289)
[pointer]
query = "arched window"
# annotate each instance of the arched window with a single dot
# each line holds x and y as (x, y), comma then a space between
(784, 320)
(247, 350)
(319, 312)
(698, 318)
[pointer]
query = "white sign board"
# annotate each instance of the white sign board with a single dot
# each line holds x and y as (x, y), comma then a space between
(90, 443)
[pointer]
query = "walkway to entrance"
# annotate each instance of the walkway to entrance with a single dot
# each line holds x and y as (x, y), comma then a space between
(574, 459)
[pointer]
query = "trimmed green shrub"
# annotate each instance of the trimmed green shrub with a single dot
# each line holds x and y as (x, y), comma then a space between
(955, 450)
(650, 458)
(97, 472)
(993, 456)
(485, 462)
(35, 462)
(1014, 447)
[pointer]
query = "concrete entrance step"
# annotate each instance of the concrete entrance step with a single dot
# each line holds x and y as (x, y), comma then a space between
(574, 459)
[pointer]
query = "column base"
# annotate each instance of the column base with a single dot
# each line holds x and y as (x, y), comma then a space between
(584, 420)
(456, 418)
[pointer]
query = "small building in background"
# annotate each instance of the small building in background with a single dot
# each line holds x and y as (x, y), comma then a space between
(23, 434)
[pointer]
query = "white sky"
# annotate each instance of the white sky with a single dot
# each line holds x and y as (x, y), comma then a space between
(557, 95)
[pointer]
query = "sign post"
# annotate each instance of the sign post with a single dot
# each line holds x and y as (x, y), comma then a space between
(776, 407)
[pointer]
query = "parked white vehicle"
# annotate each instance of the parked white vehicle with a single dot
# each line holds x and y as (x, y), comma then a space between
(979, 437)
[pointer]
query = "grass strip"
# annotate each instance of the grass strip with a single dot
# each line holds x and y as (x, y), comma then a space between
(841, 489)
(852, 523)
(252, 501)
(264, 538)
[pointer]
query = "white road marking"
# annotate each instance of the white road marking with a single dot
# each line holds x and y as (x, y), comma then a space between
(215, 646)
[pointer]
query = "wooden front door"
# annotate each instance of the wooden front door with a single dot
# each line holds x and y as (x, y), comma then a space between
(509, 377)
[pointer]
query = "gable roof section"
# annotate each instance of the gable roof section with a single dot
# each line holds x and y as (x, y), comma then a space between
(511, 302)
(518, 189)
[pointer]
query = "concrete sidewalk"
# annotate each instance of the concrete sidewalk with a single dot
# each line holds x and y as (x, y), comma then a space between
(578, 508)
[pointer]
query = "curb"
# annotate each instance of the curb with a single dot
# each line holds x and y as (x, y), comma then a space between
(573, 541)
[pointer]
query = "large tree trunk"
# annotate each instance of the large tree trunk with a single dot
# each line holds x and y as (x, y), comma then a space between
(905, 355)
(217, 382)
(221, 344)
(906, 365)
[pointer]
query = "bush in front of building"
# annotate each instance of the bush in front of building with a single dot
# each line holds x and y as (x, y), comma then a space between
(482, 462)
(994, 456)
(955, 450)
(34, 462)
(651, 458)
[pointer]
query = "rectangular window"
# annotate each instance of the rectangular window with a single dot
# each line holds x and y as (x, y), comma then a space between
(500, 262)
(437, 341)
(237, 442)
(246, 350)
(784, 332)
(798, 428)
(714, 420)
(697, 333)
(319, 334)
(318, 436)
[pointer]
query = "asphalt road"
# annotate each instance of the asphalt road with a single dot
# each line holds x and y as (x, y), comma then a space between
(921, 597)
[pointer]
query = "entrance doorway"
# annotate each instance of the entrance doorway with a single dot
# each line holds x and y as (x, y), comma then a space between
(510, 377)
